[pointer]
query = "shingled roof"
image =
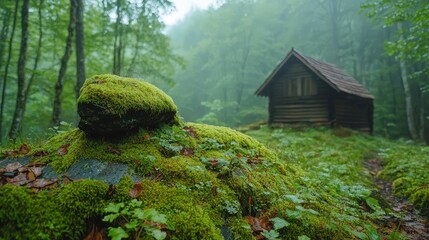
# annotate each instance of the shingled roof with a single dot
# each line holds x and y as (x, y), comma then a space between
(329, 73)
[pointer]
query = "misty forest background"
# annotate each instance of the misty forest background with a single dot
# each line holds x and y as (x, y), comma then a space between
(212, 61)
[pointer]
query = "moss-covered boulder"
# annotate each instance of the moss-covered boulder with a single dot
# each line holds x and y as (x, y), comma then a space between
(110, 105)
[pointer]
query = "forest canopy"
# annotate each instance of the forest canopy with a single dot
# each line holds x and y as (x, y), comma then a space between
(212, 61)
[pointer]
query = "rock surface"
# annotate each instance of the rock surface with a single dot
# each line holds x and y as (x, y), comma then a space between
(110, 105)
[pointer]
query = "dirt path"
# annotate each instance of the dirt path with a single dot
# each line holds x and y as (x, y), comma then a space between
(410, 223)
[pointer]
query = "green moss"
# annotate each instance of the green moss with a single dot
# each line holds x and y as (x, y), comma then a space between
(195, 224)
(420, 198)
(401, 185)
(58, 214)
(81, 201)
(228, 139)
(118, 95)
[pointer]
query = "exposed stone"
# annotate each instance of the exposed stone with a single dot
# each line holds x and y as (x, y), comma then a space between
(110, 105)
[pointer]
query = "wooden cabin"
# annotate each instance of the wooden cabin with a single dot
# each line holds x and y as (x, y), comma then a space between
(302, 90)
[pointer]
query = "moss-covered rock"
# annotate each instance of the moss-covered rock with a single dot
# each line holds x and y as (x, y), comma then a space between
(111, 105)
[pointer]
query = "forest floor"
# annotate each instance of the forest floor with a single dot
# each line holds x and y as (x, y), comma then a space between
(385, 181)
(408, 221)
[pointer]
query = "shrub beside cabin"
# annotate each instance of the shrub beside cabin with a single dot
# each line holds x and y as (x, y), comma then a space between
(302, 90)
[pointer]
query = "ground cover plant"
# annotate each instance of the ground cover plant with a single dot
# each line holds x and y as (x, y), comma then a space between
(176, 180)
(334, 160)
(202, 181)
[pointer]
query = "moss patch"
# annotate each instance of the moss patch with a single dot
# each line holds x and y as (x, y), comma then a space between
(118, 95)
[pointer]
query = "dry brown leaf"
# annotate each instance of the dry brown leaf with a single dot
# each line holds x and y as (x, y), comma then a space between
(11, 167)
(255, 224)
(188, 152)
(191, 131)
(136, 190)
(11, 153)
(41, 183)
(63, 150)
(40, 153)
(146, 137)
(24, 149)
(18, 180)
(214, 162)
(36, 170)
(31, 176)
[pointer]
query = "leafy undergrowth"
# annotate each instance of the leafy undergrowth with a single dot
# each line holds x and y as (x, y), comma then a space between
(407, 166)
(334, 164)
(201, 182)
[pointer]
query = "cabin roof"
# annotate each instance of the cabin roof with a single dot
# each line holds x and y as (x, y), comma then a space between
(329, 73)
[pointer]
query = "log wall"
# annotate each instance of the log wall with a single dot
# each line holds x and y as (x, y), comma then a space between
(298, 96)
(353, 113)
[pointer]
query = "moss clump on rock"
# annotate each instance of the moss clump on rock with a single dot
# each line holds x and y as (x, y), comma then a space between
(112, 105)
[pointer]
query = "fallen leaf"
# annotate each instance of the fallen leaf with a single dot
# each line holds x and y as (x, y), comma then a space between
(255, 224)
(64, 149)
(214, 162)
(24, 149)
(191, 131)
(31, 176)
(11, 153)
(40, 153)
(146, 137)
(189, 152)
(136, 190)
(23, 169)
(18, 180)
(11, 167)
(41, 183)
(36, 170)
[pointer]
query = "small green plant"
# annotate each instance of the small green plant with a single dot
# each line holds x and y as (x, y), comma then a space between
(274, 234)
(133, 221)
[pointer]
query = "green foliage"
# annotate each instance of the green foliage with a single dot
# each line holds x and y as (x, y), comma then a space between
(406, 166)
(317, 188)
(134, 220)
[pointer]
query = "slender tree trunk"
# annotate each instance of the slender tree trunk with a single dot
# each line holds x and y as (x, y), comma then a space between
(3, 91)
(116, 43)
(3, 34)
(63, 67)
(422, 116)
(80, 54)
(37, 58)
(20, 97)
(407, 92)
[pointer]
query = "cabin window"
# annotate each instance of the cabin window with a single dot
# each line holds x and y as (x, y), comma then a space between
(300, 86)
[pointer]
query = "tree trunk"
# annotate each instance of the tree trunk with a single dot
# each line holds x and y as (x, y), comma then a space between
(3, 34)
(20, 97)
(422, 116)
(63, 67)
(3, 91)
(407, 92)
(117, 42)
(80, 54)
(37, 58)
